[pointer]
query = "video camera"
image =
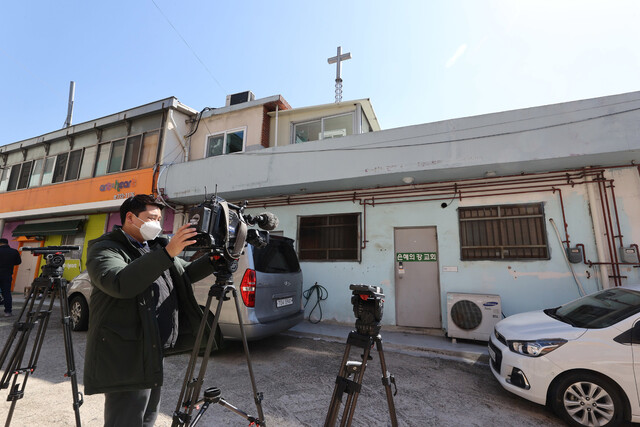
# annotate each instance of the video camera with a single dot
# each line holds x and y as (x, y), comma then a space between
(368, 305)
(222, 227)
(54, 256)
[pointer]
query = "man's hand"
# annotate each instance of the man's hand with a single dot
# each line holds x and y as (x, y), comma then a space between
(181, 240)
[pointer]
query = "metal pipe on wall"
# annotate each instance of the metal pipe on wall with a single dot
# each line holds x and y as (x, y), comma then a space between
(598, 234)
(487, 187)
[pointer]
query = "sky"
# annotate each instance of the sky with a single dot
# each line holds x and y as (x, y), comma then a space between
(417, 61)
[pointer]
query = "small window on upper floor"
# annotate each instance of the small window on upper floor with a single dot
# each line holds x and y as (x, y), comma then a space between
(4, 178)
(324, 128)
(228, 142)
(125, 154)
(67, 166)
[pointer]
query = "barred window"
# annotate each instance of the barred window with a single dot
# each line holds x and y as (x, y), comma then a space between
(329, 237)
(503, 232)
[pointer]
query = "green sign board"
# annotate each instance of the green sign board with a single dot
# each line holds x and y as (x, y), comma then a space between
(416, 256)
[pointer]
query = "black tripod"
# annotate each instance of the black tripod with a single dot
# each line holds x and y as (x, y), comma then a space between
(189, 395)
(35, 316)
(352, 387)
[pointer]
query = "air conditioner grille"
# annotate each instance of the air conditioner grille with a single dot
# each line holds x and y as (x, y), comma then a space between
(466, 315)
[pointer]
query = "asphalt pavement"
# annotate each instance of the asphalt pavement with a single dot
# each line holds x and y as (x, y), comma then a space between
(47, 400)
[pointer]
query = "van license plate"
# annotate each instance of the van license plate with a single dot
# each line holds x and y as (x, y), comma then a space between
(284, 302)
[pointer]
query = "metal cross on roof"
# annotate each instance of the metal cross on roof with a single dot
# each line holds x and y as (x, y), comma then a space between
(336, 60)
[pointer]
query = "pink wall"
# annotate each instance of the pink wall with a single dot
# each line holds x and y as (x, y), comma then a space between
(113, 219)
(8, 229)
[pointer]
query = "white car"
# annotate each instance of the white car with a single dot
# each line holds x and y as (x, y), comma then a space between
(582, 358)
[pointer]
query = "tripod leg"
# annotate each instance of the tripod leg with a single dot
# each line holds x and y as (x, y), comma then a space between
(191, 386)
(387, 379)
(187, 385)
(338, 390)
(29, 317)
(350, 404)
(256, 396)
(68, 348)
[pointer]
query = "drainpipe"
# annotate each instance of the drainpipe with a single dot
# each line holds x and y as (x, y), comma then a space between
(596, 219)
(276, 136)
(180, 139)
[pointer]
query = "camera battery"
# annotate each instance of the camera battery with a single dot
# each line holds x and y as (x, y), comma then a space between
(200, 218)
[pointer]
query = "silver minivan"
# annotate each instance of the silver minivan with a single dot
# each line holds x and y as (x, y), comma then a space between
(269, 286)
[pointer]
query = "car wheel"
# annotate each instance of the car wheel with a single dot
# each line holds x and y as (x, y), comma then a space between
(587, 399)
(79, 313)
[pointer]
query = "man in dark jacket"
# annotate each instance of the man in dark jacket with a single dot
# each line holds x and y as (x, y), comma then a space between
(142, 305)
(9, 258)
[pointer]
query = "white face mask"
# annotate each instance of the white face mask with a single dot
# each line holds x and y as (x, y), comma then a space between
(149, 229)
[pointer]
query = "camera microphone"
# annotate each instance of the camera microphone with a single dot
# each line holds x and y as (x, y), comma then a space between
(265, 220)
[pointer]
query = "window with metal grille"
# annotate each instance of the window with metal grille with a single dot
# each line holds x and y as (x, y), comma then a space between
(503, 232)
(329, 237)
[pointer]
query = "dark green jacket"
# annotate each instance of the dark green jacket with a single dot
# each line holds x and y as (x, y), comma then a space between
(123, 342)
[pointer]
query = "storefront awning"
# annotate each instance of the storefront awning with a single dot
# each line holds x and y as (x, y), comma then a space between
(48, 228)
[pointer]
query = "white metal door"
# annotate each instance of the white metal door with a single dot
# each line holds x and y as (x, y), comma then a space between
(28, 269)
(416, 277)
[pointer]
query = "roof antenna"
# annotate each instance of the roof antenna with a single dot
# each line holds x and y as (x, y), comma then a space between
(72, 92)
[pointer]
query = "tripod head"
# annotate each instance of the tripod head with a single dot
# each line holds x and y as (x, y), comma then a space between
(54, 255)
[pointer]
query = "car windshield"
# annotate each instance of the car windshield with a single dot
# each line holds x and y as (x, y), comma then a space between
(599, 310)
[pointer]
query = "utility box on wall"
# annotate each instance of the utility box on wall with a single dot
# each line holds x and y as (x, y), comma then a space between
(574, 254)
(629, 254)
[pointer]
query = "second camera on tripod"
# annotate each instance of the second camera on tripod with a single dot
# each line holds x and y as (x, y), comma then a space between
(368, 306)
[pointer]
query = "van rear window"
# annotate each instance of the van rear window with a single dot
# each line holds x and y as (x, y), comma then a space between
(278, 257)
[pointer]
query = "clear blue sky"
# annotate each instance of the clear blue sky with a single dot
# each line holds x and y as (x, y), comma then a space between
(418, 61)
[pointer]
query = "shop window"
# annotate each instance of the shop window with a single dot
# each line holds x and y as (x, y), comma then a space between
(329, 237)
(324, 128)
(225, 143)
(503, 232)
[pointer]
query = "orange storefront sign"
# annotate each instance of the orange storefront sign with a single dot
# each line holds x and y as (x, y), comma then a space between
(107, 187)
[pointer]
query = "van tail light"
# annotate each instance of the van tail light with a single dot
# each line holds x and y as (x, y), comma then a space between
(248, 288)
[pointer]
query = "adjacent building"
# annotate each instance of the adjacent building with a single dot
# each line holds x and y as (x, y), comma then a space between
(65, 187)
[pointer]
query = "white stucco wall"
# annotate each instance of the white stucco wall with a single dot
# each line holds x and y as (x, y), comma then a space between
(522, 285)
(249, 119)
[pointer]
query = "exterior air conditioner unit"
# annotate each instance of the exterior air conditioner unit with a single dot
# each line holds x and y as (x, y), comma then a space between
(472, 316)
(239, 98)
